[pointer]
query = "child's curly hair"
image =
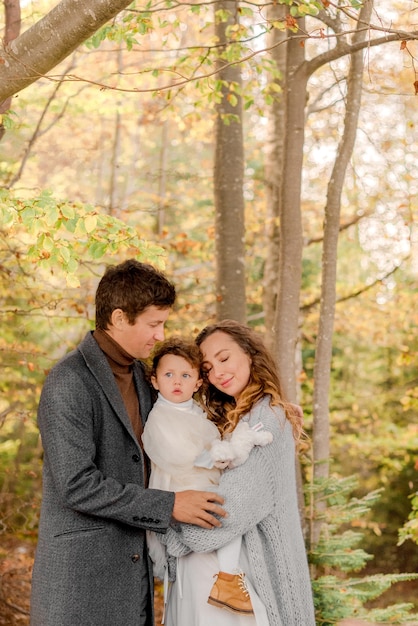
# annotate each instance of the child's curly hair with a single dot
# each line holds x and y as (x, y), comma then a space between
(180, 347)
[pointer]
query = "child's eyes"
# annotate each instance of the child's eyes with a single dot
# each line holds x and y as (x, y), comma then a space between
(170, 375)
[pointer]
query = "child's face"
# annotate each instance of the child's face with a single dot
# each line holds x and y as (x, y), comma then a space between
(176, 379)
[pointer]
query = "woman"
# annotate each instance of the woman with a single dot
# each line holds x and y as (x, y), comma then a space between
(242, 384)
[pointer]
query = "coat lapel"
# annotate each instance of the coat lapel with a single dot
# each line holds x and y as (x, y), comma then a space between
(100, 369)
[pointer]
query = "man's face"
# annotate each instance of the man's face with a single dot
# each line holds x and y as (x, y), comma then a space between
(138, 339)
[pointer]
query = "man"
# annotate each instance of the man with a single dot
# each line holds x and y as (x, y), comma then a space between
(91, 566)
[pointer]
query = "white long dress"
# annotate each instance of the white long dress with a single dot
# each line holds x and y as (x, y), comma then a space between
(174, 435)
(187, 603)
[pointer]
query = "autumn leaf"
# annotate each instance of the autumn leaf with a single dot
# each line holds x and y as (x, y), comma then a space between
(90, 222)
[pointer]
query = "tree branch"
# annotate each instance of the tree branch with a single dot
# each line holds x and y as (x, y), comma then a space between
(354, 294)
(48, 42)
(11, 31)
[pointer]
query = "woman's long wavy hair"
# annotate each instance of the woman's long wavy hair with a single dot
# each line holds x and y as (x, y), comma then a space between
(264, 380)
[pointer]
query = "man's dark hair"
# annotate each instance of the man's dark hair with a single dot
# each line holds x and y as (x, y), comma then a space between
(133, 287)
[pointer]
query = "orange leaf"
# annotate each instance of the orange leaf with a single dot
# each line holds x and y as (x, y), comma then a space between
(290, 21)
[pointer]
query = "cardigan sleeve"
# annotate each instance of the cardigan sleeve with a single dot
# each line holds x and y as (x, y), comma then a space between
(246, 503)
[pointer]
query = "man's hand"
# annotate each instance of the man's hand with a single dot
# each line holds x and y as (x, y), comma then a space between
(197, 507)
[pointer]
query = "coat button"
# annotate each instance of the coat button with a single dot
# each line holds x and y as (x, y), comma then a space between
(136, 458)
(135, 558)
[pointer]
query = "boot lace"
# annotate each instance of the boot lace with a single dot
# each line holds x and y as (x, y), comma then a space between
(243, 584)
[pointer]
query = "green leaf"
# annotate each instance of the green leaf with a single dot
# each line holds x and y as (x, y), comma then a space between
(68, 211)
(232, 99)
(65, 254)
(97, 249)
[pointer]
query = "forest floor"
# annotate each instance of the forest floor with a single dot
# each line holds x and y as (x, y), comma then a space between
(16, 561)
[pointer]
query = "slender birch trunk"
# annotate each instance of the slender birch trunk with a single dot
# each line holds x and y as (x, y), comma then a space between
(228, 182)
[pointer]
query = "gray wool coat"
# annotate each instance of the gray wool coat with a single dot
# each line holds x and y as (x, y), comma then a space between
(91, 559)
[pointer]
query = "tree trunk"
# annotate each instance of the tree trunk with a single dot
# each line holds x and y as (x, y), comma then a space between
(162, 178)
(273, 173)
(114, 165)
(115, 153)
(323, 354)
(40, 48)
(286, 321)
(228, 184)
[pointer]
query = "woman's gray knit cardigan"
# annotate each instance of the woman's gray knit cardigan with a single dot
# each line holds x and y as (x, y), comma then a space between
(261, 500)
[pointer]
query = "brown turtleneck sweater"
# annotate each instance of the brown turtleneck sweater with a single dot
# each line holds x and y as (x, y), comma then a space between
(121, 365)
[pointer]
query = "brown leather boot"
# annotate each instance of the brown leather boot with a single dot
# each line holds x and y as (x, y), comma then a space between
(230, 592)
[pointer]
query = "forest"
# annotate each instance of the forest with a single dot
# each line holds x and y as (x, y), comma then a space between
(263, 154)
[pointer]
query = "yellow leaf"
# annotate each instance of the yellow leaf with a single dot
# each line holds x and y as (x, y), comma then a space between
(72, 281)
(90, 223)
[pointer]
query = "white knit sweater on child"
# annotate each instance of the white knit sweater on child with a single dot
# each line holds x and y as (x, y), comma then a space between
(174, 435)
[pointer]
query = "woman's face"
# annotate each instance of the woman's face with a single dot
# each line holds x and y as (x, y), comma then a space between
(226, 364)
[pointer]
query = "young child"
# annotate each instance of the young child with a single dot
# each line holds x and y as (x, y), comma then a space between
(186, 452)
